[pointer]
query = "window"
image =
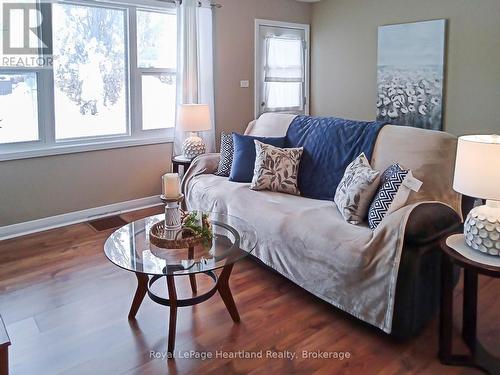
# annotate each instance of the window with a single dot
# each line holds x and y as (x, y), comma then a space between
(157, 60)
(90, 84)
(18, 91)
(281, 74)
(111, 81)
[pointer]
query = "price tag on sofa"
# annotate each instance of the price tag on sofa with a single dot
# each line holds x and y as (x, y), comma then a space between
(412, 183)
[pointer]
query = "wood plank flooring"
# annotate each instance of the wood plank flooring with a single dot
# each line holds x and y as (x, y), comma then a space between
(65, 307)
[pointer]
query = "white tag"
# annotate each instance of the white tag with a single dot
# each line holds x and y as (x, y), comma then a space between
(411, 182)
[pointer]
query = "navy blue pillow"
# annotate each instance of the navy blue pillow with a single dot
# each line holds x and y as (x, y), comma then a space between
(244, 155)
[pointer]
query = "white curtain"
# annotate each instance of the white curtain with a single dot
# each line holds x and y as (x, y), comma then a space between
(284, 74)
(195, 82)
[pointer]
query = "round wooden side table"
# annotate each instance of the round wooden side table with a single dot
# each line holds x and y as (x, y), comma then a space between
(457, 253)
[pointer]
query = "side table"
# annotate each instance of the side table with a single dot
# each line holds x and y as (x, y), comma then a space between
(178, 161)
(456, 252)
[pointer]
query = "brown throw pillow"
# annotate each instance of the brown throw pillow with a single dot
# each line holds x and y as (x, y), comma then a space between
(356, 190)
(276, 168)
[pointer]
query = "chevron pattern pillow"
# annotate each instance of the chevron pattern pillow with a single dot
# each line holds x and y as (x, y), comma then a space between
(226, 155)
(389, 172)
(390, 183)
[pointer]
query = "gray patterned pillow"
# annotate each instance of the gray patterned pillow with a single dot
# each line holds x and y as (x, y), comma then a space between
(276, 168)
(356, 190)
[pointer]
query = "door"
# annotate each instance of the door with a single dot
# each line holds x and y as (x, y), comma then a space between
(281, 67)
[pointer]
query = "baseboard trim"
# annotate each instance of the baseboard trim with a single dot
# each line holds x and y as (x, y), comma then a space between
(39, 225)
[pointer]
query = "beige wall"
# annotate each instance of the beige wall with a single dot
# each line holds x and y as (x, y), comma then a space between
(234, 54)
(41, 187)
(344, 57)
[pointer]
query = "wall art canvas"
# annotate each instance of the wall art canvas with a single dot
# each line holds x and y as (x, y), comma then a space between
(410, 71)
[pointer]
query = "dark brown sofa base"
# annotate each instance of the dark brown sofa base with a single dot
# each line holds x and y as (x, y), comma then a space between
(419, 276)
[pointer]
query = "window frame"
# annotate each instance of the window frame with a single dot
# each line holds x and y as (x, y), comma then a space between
(258, 89)
(47, 144)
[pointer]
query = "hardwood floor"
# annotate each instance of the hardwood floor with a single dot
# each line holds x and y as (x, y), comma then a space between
(65, 307)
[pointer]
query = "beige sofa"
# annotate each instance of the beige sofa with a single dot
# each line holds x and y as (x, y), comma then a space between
(389, 277)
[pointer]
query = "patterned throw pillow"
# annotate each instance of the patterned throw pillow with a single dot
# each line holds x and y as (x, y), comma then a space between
(356, 190)
(389, 172)
(391, 184)
(276, 168)
(226, 155)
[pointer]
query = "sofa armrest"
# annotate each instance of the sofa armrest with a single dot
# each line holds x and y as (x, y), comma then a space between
(429, 222)
(202, 164)
(207, 162)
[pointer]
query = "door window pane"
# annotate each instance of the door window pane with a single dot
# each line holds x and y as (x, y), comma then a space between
(18, 108)
(89, 71)
(158, 101)
(284, 60)
(283, 74)
(156, 40)
(284, 95)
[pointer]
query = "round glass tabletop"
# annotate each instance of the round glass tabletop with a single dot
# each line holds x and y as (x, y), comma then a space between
(130, 249)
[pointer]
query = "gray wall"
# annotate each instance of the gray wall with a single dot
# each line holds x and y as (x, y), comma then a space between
(41, 187)
(344, 58)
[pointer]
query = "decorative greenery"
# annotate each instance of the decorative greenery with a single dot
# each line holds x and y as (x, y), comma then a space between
(204, 229)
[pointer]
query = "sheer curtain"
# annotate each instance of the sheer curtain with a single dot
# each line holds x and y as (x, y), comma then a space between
(284, 74)
(195, 83)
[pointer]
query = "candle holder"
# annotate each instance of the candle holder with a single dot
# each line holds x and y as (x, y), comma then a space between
(173, 223)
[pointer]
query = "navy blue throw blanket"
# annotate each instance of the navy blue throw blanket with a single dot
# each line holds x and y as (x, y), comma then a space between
(330, 144)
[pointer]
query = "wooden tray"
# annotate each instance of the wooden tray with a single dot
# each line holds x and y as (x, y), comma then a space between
(183, 239)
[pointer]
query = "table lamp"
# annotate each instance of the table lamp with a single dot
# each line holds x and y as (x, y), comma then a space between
(477, 174)
(194, 118)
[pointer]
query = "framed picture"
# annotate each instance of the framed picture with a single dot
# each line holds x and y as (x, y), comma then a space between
(410, 74)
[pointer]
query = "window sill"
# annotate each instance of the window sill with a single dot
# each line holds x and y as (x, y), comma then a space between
(78, 148)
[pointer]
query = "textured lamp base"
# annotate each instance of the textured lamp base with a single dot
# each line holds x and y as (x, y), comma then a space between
(482, 228)
(193, 146)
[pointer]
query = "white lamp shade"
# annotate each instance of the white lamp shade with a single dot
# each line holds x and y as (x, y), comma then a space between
(477, 166)
(194, 117)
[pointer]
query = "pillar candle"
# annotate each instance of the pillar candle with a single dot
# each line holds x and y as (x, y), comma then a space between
(171, 186)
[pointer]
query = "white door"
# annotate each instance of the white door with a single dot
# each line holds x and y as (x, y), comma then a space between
(281, 67)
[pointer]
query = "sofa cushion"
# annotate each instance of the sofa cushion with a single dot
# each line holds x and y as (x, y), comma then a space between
(244, 155)
(330, 144)
(278, 214)
(276, 168)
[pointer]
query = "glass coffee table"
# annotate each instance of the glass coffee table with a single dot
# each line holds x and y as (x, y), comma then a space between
(129, 248)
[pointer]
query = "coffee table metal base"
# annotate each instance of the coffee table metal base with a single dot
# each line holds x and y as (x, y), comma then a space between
(221, 284)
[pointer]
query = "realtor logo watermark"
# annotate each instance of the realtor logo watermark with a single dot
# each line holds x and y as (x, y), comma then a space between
(24, 44)
(258, 354)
